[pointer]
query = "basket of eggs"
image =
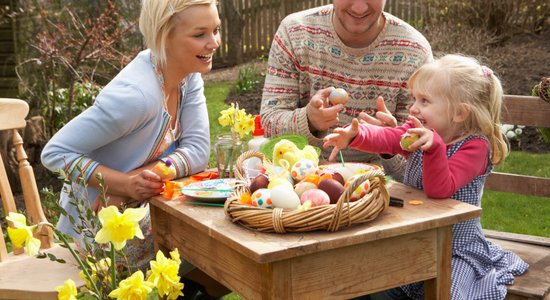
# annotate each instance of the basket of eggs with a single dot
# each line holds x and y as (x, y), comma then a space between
(303, 196)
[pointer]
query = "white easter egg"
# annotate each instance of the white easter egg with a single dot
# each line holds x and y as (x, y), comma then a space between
(283, 196)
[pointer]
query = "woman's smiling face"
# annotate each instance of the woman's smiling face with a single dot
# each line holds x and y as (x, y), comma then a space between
(194, 38)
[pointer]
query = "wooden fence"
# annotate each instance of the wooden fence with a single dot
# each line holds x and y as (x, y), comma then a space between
(248, 26)
(8, 79)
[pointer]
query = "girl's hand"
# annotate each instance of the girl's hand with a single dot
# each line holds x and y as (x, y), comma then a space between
(340, 138)
(383, 118)
(426, 136)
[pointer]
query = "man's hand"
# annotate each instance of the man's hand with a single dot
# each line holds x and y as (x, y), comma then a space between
(383, 118)
(320, 114)
(340, 138)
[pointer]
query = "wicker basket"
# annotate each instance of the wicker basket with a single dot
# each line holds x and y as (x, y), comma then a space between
(330, 217)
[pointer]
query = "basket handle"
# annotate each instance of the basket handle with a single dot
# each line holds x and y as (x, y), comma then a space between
(346, 195)
(240, 174)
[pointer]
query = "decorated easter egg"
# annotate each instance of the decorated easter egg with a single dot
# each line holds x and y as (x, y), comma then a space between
(316, 197)
(283, 196)
(261, 198)
(360, 191)
(407, 139)
(302, 168)
(165, 169)
(333, 188)
(277, 182)
(303, 186)
(338, 96)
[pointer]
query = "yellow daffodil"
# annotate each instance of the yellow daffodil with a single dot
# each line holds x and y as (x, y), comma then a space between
(67, 291)
(239, 121)
(133, 287)
(164, 275)
(21, 234)
(99, 271)
(119, 227)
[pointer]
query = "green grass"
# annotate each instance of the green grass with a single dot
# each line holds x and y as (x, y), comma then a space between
(517, 213)
(215, 94)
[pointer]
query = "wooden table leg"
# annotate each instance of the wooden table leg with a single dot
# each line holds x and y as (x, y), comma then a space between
(440, 287)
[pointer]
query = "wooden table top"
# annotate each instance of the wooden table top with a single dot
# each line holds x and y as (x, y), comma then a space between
(270, 247)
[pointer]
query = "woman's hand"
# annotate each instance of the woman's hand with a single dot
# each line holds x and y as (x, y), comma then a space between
(340, 138)
(143, 185)
(320, 115)
(383, 118)
(426, 136)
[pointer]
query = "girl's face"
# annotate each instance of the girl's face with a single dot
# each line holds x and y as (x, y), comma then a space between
(194, 38)
(433, 112)
(353, 18)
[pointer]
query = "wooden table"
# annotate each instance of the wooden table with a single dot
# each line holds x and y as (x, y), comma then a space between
(403, 245)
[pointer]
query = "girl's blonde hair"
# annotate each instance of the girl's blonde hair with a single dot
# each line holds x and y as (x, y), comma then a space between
(156, 22)
(465, 84)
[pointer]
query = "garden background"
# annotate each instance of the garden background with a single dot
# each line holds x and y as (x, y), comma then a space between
(57, 54)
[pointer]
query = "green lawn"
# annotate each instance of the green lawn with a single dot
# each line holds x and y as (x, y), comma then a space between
(501, 211)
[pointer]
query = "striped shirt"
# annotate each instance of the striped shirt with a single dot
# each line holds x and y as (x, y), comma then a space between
(307, 55)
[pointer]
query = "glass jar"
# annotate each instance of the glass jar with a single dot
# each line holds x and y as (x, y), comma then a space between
(227, 149)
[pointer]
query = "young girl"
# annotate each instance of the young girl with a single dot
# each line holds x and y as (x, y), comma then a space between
(456, 115)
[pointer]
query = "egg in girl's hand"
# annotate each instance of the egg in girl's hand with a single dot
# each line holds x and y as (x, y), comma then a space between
(360, 191)
(338, 96)
(261, 198)
(317, 197)
(303, 186)
(407, 139)
(302, 168)
(284, 197)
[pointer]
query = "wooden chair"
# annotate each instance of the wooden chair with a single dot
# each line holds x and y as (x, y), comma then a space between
(535, 250)
(22, 276)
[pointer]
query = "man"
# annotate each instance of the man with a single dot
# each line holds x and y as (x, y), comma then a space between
(351, 44)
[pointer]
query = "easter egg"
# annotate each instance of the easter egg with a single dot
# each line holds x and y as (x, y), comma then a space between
(165, 169)
(360, 191)
(333, 188)
(345, 172)
(334, 175)
(261, 198)
(284, 197)
(317, 197)
(302, 168)
(277, 182)
(407, 139)
(259, 182)
(301, 187)
(338, 96)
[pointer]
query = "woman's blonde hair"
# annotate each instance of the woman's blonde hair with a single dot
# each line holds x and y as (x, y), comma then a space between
(156, 22)
(466, 84)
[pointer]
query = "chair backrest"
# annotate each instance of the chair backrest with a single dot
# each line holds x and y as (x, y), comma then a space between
(528, 111)
(12, 117)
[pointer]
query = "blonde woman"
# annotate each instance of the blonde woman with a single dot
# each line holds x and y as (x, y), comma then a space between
(153, 109)
(456, 118)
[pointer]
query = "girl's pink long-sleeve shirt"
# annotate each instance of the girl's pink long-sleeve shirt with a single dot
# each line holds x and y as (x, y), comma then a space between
(443, 175)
